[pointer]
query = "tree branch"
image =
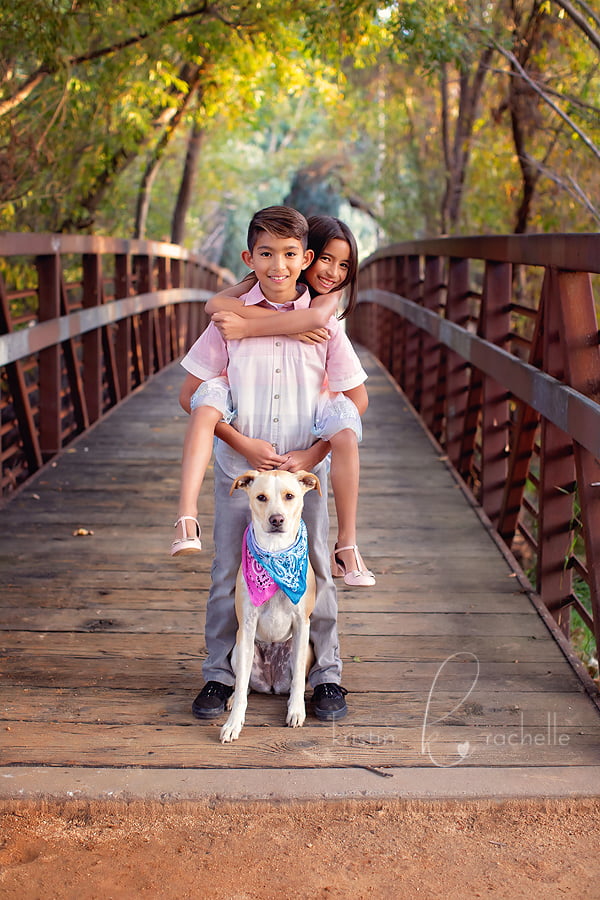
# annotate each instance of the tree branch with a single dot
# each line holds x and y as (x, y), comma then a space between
(581, 21)
(43, 71)
(23, 92)
(536, 87)
(573, 189)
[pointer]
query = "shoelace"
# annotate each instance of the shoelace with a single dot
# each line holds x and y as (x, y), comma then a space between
(213, 688)
(332, 690)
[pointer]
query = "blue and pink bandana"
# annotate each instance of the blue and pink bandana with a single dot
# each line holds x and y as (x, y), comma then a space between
(266, 572)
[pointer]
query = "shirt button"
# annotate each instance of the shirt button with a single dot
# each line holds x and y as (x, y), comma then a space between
(276, 397)
(276, 419)
(277, 371)
(278, 343)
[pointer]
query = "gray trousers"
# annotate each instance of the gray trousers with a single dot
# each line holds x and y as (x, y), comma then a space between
(232, 515)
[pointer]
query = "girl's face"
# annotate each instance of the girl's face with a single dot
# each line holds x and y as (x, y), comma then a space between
(330, 268)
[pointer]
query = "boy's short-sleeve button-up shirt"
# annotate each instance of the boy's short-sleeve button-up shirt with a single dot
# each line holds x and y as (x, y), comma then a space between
(275, 381)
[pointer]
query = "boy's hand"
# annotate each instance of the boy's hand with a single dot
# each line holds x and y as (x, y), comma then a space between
(231, 326)
(318, 336)
(261, 455)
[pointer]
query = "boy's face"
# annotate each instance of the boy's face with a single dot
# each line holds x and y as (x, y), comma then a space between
(277, 263)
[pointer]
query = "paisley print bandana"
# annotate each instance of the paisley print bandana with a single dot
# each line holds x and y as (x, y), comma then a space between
(266, 572)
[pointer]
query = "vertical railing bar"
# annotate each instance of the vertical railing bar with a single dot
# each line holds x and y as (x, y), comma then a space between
(123, 328)
(579, 332)
(92, 340)
(73, 366)
(557, 475)
(495, 327)
(457, 311)
(432, 288)
(49, 367)
(413, 338)
(20, 395)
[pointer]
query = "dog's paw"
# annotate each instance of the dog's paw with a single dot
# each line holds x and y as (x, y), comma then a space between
(295, 717)
(231, 731)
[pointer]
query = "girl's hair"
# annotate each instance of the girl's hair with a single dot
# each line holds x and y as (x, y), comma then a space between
(321, 230)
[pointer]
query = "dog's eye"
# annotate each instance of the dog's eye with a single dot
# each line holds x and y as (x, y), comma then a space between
(262, 498)
(289, 496)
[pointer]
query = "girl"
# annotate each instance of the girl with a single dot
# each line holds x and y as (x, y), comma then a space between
(333, 269)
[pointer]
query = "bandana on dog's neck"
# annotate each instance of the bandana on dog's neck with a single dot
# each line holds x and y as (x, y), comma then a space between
(266, 572)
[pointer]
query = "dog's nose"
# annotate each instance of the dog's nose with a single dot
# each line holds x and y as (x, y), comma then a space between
(276, 520)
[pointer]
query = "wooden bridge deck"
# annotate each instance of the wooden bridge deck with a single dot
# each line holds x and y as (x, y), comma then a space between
(456, 685)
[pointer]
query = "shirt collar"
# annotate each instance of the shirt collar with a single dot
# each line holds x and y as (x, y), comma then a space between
(255, 296)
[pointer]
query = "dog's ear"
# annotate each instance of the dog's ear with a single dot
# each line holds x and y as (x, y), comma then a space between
(243, 481)
(309, 482)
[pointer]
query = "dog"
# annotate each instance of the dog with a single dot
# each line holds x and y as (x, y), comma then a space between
(272, 651)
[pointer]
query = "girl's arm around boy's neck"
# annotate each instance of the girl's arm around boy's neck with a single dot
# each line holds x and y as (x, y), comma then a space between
(261, 322)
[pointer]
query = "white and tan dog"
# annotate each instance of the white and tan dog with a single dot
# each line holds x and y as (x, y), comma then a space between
(272, 650)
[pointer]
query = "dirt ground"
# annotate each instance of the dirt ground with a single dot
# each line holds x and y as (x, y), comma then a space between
(348, 849)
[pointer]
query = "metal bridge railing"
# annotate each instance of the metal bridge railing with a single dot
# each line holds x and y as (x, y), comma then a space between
(83, 322)
(494, 340)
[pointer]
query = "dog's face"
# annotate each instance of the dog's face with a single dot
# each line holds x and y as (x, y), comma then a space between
(276, 500)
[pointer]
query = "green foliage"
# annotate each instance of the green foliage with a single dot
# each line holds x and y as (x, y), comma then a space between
(89, 90)
(432, 32)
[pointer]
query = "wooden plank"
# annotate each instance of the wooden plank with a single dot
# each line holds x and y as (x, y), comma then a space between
(101, 641)
(159, 621)
(405, 675)
(144, 707)
(190, 594)
(315, 746)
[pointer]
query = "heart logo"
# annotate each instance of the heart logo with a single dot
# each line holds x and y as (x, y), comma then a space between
(463, 749)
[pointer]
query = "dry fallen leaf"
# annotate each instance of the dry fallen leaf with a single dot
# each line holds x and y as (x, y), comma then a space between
(82, 532)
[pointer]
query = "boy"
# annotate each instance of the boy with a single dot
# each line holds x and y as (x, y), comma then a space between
(275, 385)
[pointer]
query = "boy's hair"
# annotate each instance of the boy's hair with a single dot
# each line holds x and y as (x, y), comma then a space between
(323, 229)
(278, 221)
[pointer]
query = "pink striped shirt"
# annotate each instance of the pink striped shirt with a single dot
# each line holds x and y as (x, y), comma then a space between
(275, 381)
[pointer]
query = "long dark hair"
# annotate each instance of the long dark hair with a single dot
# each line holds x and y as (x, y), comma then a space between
(321, 230)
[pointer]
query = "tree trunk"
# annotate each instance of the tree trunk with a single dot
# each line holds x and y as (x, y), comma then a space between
(459, 153)
(143, 200)
(523, 102)
(184, 196)
(153, 166)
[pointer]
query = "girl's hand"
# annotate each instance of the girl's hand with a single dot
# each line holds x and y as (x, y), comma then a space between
(318, 336)
(261, 455)
(305, 460)
(231, 326)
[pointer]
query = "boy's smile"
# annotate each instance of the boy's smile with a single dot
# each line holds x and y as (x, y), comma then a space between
(277, 263)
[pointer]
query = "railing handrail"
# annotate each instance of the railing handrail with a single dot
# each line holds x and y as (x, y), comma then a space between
(570, 252)
(19, 243)
(19, 344)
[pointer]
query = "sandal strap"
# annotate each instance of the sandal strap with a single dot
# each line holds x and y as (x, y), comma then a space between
(357, 560)
(184, 529)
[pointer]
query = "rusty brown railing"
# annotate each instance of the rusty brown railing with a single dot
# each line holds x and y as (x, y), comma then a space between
(494, 341)
(83, 322)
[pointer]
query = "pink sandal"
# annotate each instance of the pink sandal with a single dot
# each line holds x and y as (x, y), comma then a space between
(187, 543)
(359, 577)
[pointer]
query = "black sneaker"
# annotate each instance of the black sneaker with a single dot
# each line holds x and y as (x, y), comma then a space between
(211, 700)
(328, 702)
